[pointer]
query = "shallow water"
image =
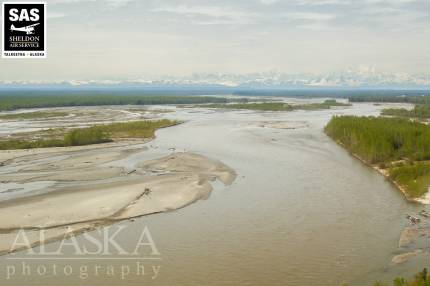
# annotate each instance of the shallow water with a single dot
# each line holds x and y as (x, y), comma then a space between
(302, 211)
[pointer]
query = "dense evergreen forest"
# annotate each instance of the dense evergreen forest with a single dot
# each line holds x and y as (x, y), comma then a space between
(27, 101)
(417, 99)
(399, 145)
(379, 140)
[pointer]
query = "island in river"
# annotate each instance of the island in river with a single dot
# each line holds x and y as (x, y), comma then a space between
(277, 106)
(64, 180)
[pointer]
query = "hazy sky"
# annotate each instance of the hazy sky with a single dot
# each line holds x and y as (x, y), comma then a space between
(119, 39)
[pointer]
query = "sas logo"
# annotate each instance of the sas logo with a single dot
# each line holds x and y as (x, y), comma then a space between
(24, 30)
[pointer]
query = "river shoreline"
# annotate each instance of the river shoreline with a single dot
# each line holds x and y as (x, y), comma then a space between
(425, 200)
(90, 191)
(288, 201)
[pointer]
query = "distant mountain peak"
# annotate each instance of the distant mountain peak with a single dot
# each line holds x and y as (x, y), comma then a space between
(363, 76)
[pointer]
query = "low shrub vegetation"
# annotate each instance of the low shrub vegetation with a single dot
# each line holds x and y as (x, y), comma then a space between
(419, 111)
(93, 135)
(33, 115)
(415, 178)
(421, 279)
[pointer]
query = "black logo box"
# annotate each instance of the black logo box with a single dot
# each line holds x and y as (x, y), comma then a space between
(39, 30)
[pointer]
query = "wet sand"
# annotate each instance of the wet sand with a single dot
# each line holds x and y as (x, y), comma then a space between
(88, 191)
(82, 116)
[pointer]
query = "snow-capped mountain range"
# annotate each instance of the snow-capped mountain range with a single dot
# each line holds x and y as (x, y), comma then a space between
(366, 77)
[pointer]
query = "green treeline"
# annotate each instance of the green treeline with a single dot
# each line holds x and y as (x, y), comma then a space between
(278, 106)
(93, 135)
(399, 145)
(377, 139)
(17, 102)
(419, 111)
(391, 98)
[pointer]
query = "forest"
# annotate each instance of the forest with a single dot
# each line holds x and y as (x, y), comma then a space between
(8, 103)
(397, 144)
(417, 99)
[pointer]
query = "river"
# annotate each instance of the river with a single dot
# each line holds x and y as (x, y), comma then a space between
(302, 211)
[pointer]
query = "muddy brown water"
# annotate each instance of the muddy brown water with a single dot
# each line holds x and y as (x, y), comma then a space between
(302, 211)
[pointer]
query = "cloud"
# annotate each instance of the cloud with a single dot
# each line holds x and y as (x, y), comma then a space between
(186, 36)
(396, 2)
(68, 1)
(211, 14)
(118, 3)
(53, 15)
(310, 16)
(111, 3)
(322, 2)
(268, 2)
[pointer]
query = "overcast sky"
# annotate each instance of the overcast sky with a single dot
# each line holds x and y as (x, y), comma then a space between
(123, 39)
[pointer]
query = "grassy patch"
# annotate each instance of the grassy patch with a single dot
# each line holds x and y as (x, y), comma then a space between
(33, 115)
(21, 144)
(327, 104)
(92, 135)
(136, 129)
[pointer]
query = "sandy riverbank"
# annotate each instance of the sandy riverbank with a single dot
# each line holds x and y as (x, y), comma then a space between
(89, 190)
(69, 190)
(425, 199)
